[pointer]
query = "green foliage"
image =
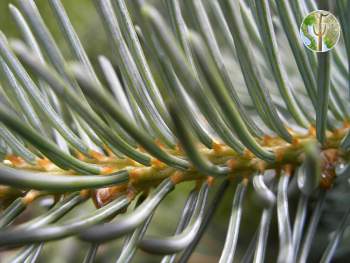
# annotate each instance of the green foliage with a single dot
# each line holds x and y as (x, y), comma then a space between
(328, 42)
(309, 20)
(204, 102)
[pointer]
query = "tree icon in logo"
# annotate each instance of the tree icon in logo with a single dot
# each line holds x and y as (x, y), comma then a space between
(320, 31)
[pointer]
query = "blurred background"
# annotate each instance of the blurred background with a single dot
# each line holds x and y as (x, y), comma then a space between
(83, 16)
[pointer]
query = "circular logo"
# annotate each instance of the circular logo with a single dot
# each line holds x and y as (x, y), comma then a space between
(320, 31)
